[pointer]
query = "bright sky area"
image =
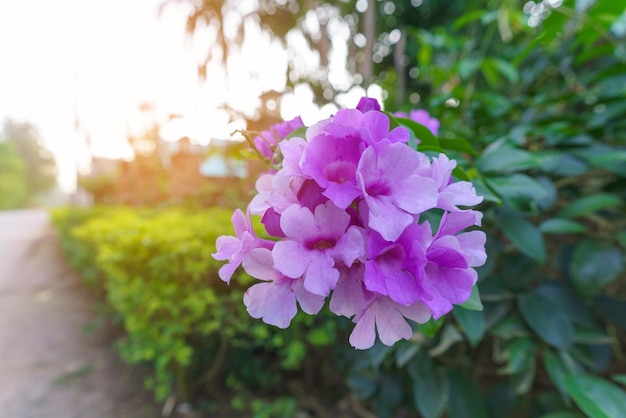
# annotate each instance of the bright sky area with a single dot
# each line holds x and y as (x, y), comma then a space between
(96, 61)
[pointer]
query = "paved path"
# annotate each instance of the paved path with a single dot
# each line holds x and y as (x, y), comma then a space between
(49, 366)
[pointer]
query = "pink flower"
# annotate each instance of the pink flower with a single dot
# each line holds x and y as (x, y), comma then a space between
(267, 141)
(423, 118)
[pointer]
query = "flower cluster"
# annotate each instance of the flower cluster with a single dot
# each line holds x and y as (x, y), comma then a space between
(345, 220)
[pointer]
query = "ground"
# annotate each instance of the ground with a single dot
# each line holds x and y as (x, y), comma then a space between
(53, 361)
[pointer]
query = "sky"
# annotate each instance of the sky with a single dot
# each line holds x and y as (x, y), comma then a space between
(80, 69)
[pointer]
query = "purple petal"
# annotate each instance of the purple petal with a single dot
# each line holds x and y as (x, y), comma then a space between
(349, 296)
(274, 302)
(473, 244)
(290, 258)
(321, 276)
(309, 302)
(367, 104)
(258, 263)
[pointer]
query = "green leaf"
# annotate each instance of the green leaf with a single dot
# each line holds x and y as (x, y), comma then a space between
(550, 323)
(465, 399)
(519, 355)
(472, 323)
(597, 397)
(458, 144)
(449, 337)
(590, 204)
(507, 69)
(510, 327)
(561, 226)
(619, 378)
(473, 303)
(518, 190)
(430, 391)
(425, 136)
(594, 265)
(612, 310)
(504, 159)
(525, 236)
(558, 367)
(563, 414)
(431, 327)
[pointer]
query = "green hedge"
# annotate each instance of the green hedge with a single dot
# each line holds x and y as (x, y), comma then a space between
(160, 281)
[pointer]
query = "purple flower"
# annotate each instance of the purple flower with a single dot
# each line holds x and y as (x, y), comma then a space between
(314, 241)
(393, 189)
(267, 141)
(451, 194)
(449, 274)
(344, 208)
(234, 249)
(275, 299)
(396, 269)
(388, 317)
(367, 104)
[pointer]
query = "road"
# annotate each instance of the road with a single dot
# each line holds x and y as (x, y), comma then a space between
(50, 366)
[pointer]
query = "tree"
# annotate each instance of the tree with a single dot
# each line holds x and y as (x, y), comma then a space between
(13, 186)
(38, 162)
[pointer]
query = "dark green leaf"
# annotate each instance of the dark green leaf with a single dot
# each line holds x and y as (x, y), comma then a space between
(558, 366)
(472, 323)
(430, 392)
(563, 414)
(525, 236)
(458, 144)
(597, 397)
(465, 399)
(590, 204)
(511, 327)
(547, 320)
(612, 310)
(563, 296)
(519, 355)
(594, 265)
(561, 226)
(449, 337)
(619, 378)
(518, 190)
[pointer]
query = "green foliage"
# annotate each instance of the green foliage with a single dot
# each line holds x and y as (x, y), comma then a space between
(159, 279)
(26, 167)
(13, 186)
(542, 109)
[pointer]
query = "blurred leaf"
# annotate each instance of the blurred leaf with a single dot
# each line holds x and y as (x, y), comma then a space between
(458, 144)
(561, 226)
(472, 323)
(504, 159)
(519, 354)
(619, 378)
(594, 265)
(507, 69)
(563, 296)
(559, 366)
(430, 391)
(611, 309)
(468, 66)
(473, 303)
(362, 383)
(465, 399)
(431, 327)
(548, 321)
(596, 397)
(511, 327)
(405, 351)
(518, 190)
(524, 236)
(590, 204)
(449, 337)
(563, 414)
